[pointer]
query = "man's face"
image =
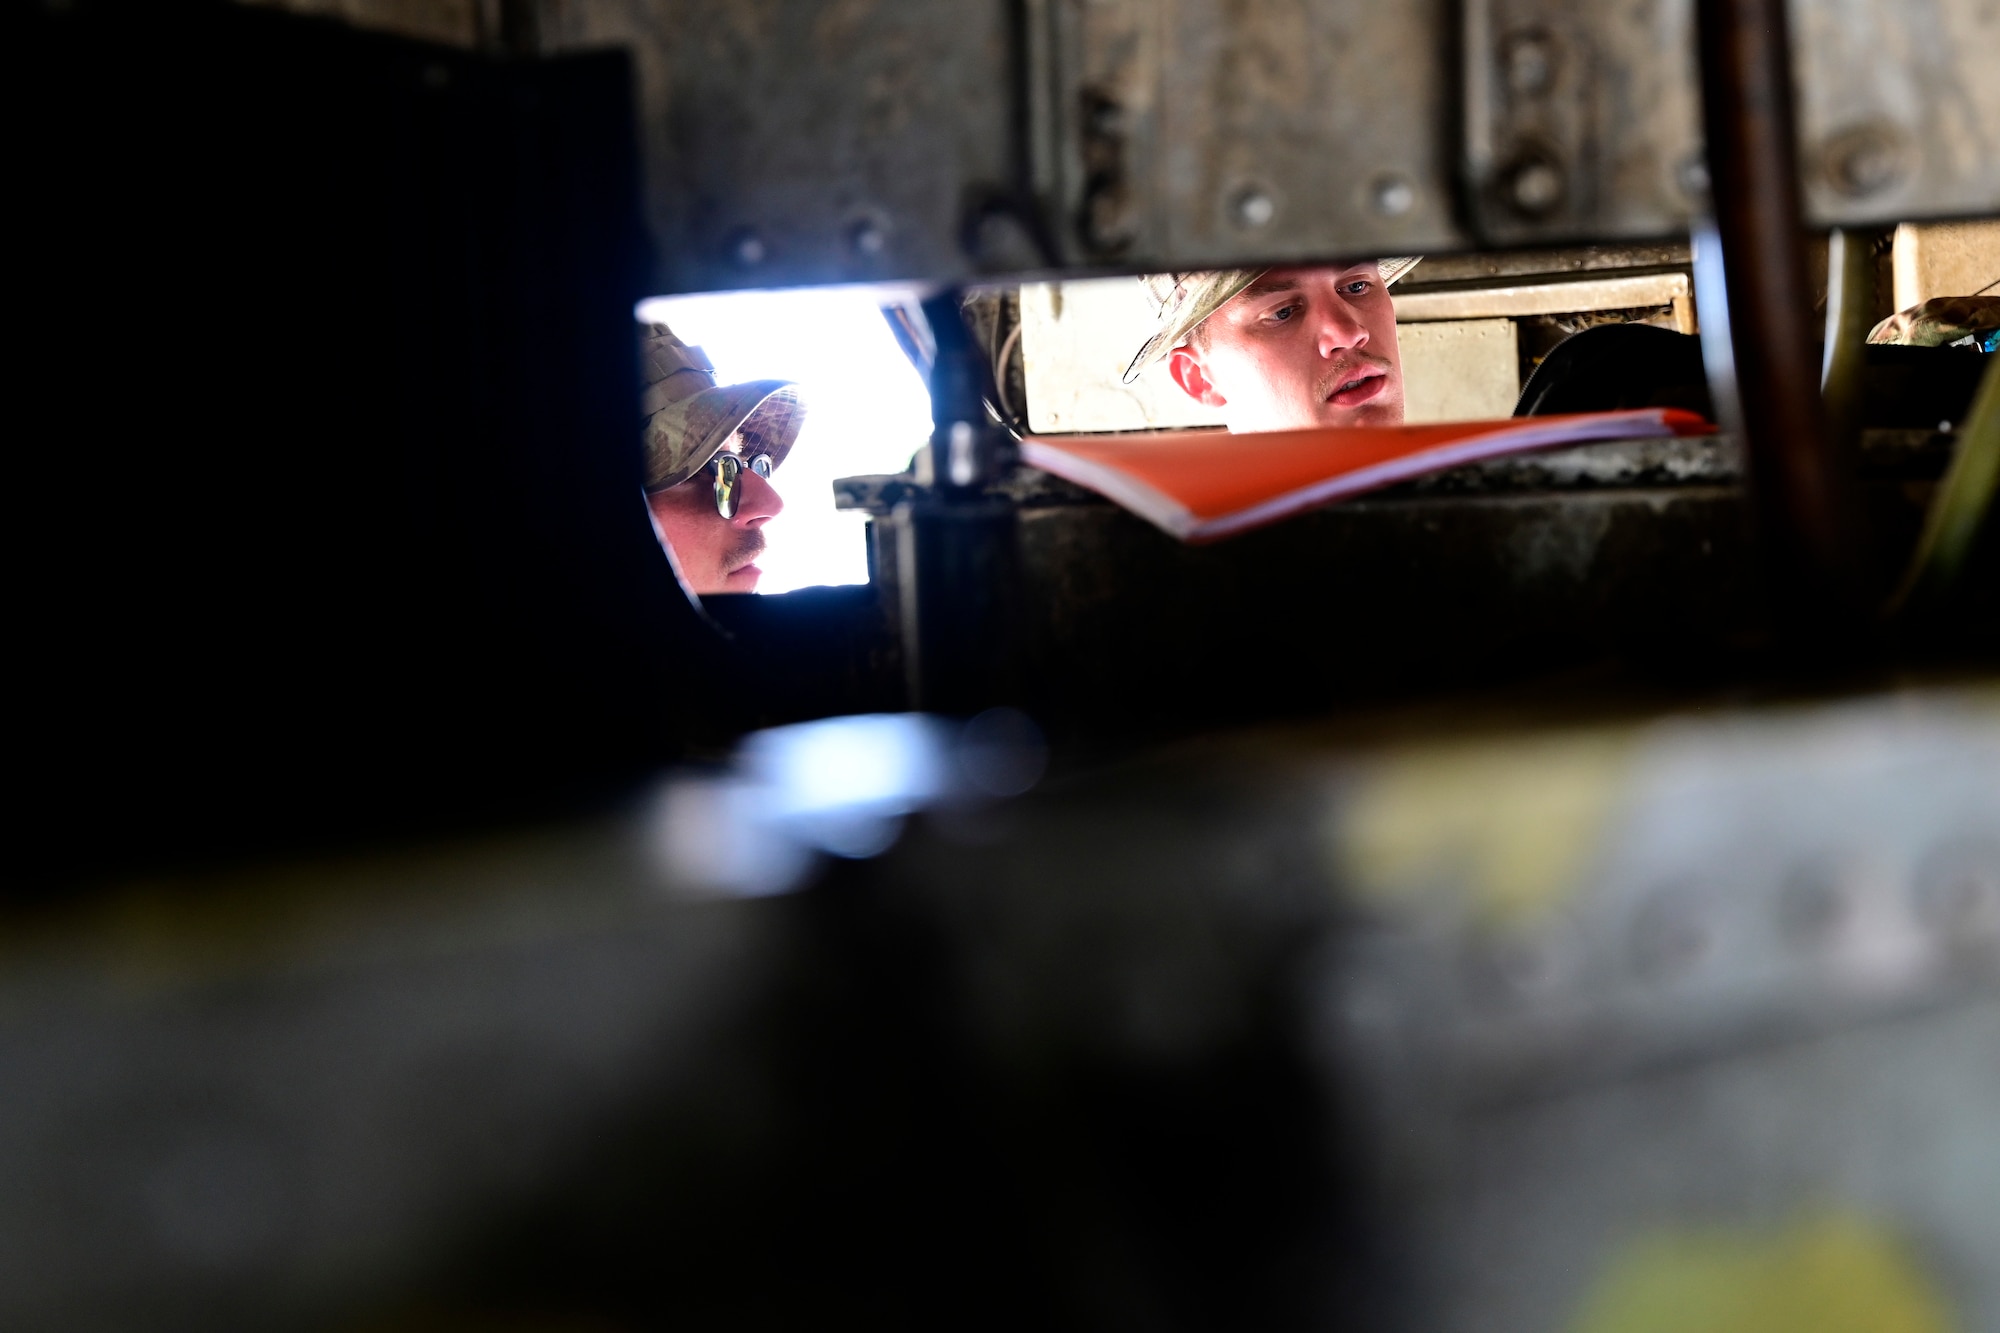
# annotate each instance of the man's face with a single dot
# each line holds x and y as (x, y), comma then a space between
(715, 554)
(1299, 347)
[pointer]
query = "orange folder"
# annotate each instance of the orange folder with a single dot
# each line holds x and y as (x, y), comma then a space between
(1201, 485)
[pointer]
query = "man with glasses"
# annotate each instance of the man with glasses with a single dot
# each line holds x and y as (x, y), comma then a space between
(1282, 348)
(710, 452)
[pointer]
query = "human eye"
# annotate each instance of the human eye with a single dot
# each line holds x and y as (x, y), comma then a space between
(1357, 287)
(1285, 312)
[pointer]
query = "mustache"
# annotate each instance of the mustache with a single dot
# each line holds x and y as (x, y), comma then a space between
(744, 551)
(1351, 366)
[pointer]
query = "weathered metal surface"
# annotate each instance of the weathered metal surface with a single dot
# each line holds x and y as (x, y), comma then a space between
(1132, 629)
(1581, 1035)
(1498, 566)
(811, 141)
(1545, 298)
(1479, 268)
(1898, 109)
(1506, 565)
(294, 1093)
(1198, 132)
(1436, 1016)
(1582, 119)
(793, 141)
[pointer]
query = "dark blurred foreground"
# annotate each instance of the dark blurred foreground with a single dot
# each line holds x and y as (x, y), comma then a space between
(1487, 1027)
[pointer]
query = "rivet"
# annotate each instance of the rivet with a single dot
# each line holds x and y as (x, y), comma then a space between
(1255, 208)
(1393, 196)
(1866, 160)
(868, 237)
(1530, 61)
(1535, 186)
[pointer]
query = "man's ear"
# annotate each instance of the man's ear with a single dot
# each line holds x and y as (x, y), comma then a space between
(1192, 376)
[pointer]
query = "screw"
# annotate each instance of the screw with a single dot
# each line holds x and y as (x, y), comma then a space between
(1393, 196)
(1254, 208)
(748, 249)
(1536, 186)
(869, 238)
(1530, 61)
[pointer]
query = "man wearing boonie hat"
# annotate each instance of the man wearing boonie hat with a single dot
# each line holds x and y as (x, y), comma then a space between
(1282, 348)
(710, 453)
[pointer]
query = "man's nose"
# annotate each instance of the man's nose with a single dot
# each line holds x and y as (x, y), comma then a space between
(760, 500)
(1340, 327)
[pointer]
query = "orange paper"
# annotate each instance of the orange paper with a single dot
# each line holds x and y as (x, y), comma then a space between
(1202, 485)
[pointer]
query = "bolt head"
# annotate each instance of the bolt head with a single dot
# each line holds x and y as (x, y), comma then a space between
(1536, 187)
(1392, 196)
(1867, 160)
(868, 238)
(1254, 208)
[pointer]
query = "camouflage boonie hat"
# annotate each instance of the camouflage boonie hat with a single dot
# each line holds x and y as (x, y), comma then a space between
(1183, 300)
(689, 417)
(1940, 320)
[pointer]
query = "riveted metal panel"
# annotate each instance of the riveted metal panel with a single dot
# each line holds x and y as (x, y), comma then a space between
(812, 141)
(1582, 118)
(1898, 108)
(797, 141)
(1191, 132)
